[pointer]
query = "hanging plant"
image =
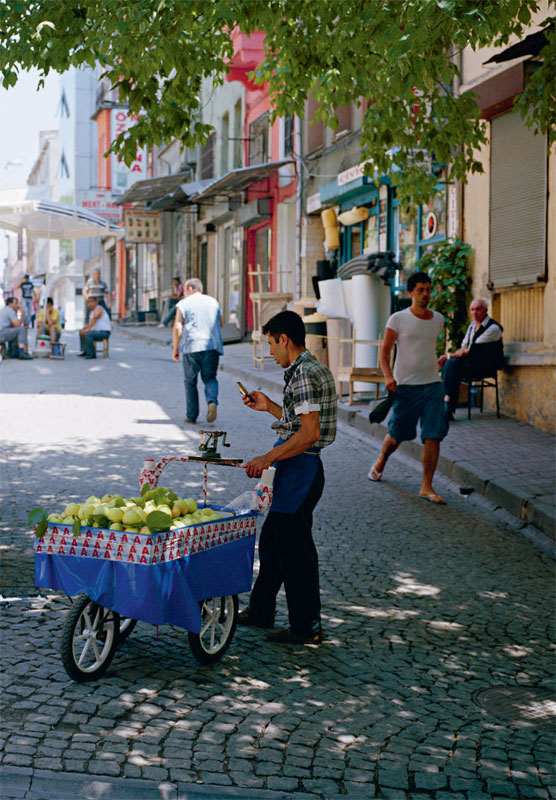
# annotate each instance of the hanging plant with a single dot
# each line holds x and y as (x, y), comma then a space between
(446, 263)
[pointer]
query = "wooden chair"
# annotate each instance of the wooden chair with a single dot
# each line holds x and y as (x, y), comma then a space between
(265, 305)
(102, 346)
(351, 373)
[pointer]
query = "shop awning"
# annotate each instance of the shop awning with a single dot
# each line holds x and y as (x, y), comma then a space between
(153, 188)
(239, 179)
(179, 197)
(45, 219)
(530, 46)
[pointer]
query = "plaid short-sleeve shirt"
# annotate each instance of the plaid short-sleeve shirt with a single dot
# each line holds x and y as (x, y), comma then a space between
(308, 386)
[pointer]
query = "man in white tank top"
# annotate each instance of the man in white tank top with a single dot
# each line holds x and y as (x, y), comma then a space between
(416, 383)
(98, 327)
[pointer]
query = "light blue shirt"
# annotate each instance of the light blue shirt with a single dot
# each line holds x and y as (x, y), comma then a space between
(201, 324)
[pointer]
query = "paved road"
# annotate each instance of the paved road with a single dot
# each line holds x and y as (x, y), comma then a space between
(434, 680)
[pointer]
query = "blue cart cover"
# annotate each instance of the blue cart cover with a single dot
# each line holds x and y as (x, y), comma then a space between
(156, 578)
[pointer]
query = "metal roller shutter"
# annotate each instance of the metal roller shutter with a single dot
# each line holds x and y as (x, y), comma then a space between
(517, 203)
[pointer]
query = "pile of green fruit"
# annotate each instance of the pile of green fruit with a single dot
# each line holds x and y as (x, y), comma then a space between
(154, 511)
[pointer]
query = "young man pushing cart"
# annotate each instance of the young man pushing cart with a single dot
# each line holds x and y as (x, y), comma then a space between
(305, 424)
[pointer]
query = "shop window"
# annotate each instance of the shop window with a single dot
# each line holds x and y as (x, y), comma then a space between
(314, 130)
(345, 120)
(258, 140)
(370, 236)
(224, 143)
(207, 158)
(433, 218)
(406, 237)
(289, 142)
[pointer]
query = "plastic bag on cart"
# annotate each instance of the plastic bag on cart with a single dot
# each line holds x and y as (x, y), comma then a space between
(257, 499)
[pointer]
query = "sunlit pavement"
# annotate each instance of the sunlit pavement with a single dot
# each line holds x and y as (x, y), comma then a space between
(434, 681)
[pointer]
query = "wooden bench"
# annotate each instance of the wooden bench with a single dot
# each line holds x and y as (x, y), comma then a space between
(352, 374)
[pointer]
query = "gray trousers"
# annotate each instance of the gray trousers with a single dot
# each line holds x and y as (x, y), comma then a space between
(13, 337)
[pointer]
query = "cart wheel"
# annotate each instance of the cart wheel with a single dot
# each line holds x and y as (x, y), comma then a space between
(126, 626)
(218, 623)
(89, 639)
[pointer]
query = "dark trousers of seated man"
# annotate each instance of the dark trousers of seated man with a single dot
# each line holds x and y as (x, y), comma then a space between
(287, 555)
(88, 340)
(453, 372)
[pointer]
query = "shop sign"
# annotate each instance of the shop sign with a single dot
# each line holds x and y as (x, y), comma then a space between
(122, 176)
(382, 217)
(313, 203)
(143, 226)
(100, 203)
(430, 226)
(452, 211)
(353, 173)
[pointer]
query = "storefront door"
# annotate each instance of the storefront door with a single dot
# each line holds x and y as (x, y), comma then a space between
(259, 242)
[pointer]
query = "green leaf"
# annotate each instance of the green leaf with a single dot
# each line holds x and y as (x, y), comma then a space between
(41, 528)
(159, 521)
(76, 526)
(36, 515)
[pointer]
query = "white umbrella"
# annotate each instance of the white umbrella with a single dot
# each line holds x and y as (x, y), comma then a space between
(44, 219)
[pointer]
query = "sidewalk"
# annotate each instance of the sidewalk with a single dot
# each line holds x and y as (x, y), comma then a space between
(510, 463)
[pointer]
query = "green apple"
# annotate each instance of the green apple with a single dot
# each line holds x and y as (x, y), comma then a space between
(106, 498)
(115, 526)
(145, 529)
(131, 517)
(115, 514)
(93, 500)
(191, 505)
(71, 510)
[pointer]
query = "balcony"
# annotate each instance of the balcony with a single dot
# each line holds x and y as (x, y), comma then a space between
(248, 54)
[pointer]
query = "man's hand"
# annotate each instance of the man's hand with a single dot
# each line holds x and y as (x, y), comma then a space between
(255, 467)
(390, 385)
(442, 360)
(176, 355)
(258, 401)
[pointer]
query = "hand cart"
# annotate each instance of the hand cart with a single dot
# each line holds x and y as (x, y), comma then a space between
(189, 577)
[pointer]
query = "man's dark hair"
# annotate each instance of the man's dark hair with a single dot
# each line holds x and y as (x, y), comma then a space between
(10, 300)
(415, 278)
(50, 300)
(177, 278)
(287, 322)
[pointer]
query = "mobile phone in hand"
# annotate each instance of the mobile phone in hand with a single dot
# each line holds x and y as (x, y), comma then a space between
(244, 391)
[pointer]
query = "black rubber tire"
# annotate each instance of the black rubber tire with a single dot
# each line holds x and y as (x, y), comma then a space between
(218, 624)
(126, 627)
(87, 626)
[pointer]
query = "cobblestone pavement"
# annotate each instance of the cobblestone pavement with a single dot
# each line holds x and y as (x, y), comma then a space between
(434, 681)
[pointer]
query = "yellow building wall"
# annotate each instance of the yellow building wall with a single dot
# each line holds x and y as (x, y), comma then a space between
(528, 315)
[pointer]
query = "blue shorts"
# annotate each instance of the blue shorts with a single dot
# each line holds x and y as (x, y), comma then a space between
(424, 404)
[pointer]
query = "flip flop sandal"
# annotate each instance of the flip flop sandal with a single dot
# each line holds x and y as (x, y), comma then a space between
(374, 475)
(433, 498)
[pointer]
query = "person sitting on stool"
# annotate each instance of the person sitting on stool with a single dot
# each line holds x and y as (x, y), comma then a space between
(52, 326)
(98, 327)
(480, 355)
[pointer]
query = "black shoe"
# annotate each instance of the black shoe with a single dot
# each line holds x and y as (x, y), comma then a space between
(26, 356)
(287, 636)
(81, 355)
(90, 356)
(449, 411)
(247, 619)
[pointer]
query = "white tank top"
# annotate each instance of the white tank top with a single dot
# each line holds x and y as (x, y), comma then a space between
(103, 322)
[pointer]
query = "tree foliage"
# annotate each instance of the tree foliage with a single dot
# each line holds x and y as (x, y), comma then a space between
(447, 264)
(398, 57)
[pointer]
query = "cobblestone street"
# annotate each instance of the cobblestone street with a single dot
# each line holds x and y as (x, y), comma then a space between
(435, 679)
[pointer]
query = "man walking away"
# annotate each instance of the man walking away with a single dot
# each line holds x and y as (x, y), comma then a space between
(197, 333)
(98, 288)
(26, 287)
(305, 424)
(416, 383)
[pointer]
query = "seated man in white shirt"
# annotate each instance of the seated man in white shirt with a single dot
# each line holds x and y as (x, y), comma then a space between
(480, 355)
